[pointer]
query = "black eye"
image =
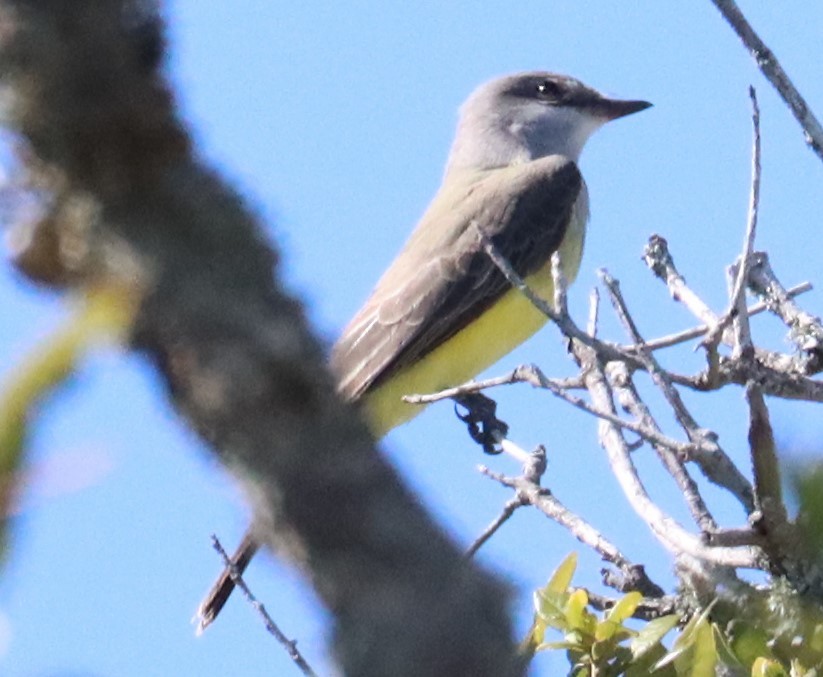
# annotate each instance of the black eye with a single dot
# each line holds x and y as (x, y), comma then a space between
(548, 89)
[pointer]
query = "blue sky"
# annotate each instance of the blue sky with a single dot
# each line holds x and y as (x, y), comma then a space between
(334, 120)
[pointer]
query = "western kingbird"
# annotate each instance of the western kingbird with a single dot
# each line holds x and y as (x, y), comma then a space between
(443, 312)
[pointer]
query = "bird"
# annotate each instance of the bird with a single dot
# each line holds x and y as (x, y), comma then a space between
(443, 311)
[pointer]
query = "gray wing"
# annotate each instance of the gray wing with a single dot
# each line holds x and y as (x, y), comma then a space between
(443, 279)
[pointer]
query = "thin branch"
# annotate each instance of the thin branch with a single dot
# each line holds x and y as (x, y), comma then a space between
(743, 346)
(701, 330)
(735, 537)
(533, 375)
(806, 330)
(523, 374)
(667, 530)
(289, 645)
(594, 310)
(771, 68)
(508, 510)
(711, 459)
(559, 313)
(630, 400)
(659, 260)
(549, 505)
(773, 376)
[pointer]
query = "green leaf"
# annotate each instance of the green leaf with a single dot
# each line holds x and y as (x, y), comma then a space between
(605, 630)
(613, 622)
(686, 642)
(724, 649)
(625, 607)
(565, 645)
(749, 643)
(533, 638)
(562, 577)
(701, 658)
(766, 667)
(551, 607)
(643, 665)
(651, 634)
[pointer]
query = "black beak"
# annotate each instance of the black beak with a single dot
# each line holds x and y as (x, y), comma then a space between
(611, 109)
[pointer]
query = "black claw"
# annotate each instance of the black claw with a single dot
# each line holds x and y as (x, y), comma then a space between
(480, 418)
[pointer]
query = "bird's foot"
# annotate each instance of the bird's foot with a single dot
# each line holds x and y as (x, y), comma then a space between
(480, 417)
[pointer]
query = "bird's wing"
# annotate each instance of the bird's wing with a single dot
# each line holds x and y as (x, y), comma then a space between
(443, 279)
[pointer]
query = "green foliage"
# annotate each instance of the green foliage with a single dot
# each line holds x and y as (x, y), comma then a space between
(776, 625)
(602, 646)
(769, 634)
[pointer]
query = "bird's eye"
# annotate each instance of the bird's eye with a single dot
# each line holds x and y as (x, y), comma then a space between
(548, 89)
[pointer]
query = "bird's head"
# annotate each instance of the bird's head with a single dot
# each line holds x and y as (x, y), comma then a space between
(522, 117)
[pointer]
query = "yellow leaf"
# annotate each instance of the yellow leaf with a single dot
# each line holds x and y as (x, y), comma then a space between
(576, 610)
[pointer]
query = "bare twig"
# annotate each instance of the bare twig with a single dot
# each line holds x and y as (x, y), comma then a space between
(289, 645)
(527, 373)
(671, 534)
(710, 458)
(743, 347)
(630, 400)
(559, 313)
(508, 510)
(696, 332)
(549, 505)
(532, 374)
(736, 536)
(775, 376)
(594, 309)
(659, 260)
(771, 68)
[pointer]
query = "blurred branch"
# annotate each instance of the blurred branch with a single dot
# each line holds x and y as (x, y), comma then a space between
(97, 128)
(771, 68)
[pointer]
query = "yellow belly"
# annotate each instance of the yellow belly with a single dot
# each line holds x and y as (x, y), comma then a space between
(502, 328)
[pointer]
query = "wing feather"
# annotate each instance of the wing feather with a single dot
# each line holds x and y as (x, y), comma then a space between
(443, 279)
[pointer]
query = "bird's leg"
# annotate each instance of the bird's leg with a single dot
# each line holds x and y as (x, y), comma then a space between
(480, 417)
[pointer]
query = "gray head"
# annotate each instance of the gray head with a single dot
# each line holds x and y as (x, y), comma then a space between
(525, 116)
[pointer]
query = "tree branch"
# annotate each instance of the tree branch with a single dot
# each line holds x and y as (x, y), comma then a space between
(235, 352)
(771, 68)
